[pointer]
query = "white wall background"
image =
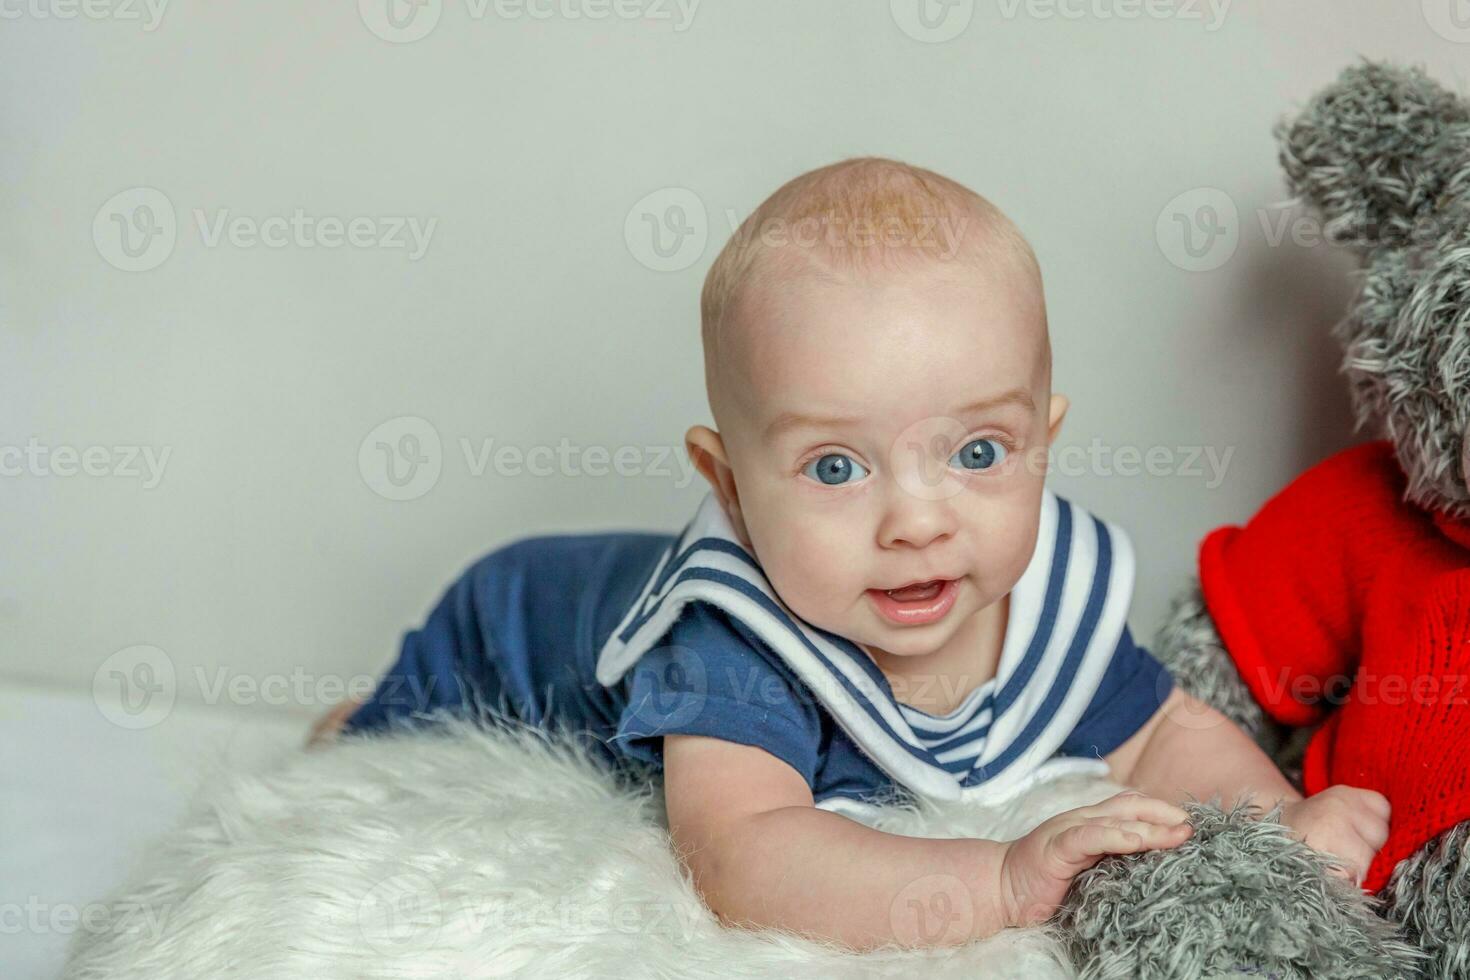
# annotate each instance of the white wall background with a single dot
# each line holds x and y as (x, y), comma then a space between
(264, 549)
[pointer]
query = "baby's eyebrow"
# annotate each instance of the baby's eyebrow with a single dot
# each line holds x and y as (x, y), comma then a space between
(1016, 396)
(787, 421)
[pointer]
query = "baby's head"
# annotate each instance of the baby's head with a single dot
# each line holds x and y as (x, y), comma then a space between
(879, 371)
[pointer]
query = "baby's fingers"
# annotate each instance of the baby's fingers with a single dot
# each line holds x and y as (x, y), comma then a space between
(1352, 871)
(1082, 844)
(1136, 806)
(1355, 854)
(1372, 830)
(1370, 800)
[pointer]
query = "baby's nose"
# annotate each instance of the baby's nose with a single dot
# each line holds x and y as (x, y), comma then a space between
(911, 522)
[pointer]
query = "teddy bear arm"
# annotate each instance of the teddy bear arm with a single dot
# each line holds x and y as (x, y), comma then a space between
(1190, 647)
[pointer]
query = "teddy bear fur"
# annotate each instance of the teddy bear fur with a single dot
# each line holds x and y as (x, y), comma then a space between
(1383, 156)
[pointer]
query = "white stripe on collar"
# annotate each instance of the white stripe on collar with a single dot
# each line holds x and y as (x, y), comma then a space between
(707, 563)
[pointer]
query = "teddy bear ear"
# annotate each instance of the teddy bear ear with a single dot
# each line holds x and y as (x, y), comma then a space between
(1368, 152)
(1408, 359)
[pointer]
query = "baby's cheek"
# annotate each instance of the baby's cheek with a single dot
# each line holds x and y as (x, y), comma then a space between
(1003, 549)
(815, 575)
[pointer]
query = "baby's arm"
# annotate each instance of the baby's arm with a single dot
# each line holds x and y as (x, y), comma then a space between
(763, 855)
(1189, 748)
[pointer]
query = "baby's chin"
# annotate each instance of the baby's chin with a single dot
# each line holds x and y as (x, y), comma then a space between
(908, 641)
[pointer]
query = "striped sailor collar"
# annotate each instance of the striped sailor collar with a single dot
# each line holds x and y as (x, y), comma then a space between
(1067, 613)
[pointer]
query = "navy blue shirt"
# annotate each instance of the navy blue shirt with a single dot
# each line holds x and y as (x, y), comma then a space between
(517, 637)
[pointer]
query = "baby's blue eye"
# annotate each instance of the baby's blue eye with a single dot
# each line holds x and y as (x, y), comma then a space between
(979, 454)
(835, 469)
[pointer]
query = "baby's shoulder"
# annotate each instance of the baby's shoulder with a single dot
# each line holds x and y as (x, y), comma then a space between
(731, 658)
(706, 627)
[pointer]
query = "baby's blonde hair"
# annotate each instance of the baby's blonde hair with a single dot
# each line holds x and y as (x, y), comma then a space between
(857, 215)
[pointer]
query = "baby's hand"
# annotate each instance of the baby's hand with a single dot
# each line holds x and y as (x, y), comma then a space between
(1038, 868)
(1344, 821)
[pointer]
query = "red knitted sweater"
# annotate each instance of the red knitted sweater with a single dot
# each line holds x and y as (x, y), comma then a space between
(1342, 603)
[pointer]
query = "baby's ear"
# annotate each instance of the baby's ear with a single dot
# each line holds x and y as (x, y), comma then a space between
(1367, 152)
(1058, 412)
(707, 451)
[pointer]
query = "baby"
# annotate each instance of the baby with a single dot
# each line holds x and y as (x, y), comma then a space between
(878, 598)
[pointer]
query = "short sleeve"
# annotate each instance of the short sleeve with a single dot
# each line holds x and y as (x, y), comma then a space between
(710, 676)
(1134, 687)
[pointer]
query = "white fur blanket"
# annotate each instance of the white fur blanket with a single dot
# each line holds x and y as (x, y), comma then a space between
(464, 853)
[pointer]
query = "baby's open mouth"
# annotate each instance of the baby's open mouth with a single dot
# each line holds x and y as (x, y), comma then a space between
(919, 590)
(917, 602)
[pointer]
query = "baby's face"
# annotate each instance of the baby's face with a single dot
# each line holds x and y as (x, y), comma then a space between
(884, 433)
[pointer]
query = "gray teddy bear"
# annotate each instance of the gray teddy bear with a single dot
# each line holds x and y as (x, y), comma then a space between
(1383, 157)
